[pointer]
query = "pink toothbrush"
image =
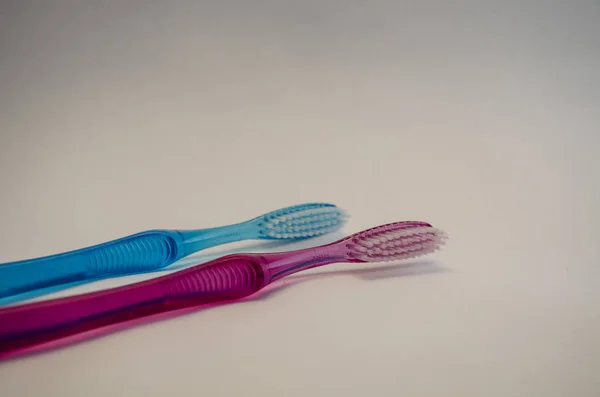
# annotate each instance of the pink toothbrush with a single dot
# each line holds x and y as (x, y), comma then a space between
(228, 278)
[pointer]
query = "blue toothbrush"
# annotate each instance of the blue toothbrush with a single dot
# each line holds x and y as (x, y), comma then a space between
(155, 249)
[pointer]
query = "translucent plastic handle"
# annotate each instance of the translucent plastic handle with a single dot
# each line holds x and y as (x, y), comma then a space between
(228, 278)
(137, 253)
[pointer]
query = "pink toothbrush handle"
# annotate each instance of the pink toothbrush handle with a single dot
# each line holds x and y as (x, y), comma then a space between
(228, 278)
(25, 328)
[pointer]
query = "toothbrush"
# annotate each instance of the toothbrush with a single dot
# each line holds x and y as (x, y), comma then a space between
(228, 278)
(155, 249)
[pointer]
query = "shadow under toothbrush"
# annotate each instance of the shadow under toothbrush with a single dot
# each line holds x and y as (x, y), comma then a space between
(370, 273)
(188, 261)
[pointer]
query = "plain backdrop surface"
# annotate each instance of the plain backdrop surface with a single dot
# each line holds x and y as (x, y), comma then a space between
(482, 118)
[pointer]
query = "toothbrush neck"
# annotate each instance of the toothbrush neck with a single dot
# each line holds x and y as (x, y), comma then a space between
(286, 263)
(196, 240)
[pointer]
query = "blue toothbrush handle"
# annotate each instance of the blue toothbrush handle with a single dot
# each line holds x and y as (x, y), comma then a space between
(140, 252)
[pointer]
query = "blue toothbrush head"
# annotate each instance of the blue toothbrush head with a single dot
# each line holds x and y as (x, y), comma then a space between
(301, 221)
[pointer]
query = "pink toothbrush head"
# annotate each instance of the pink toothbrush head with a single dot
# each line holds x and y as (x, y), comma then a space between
(392, 242)
(395, 242)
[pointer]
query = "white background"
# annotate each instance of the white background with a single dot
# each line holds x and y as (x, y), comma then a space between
(480, 117)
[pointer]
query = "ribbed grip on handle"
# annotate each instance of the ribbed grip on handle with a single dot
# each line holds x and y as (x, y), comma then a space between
(234, 276)
(133, 254)
(136, 253)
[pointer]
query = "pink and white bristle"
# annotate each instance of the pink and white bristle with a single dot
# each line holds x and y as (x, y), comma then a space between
(395, 241)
